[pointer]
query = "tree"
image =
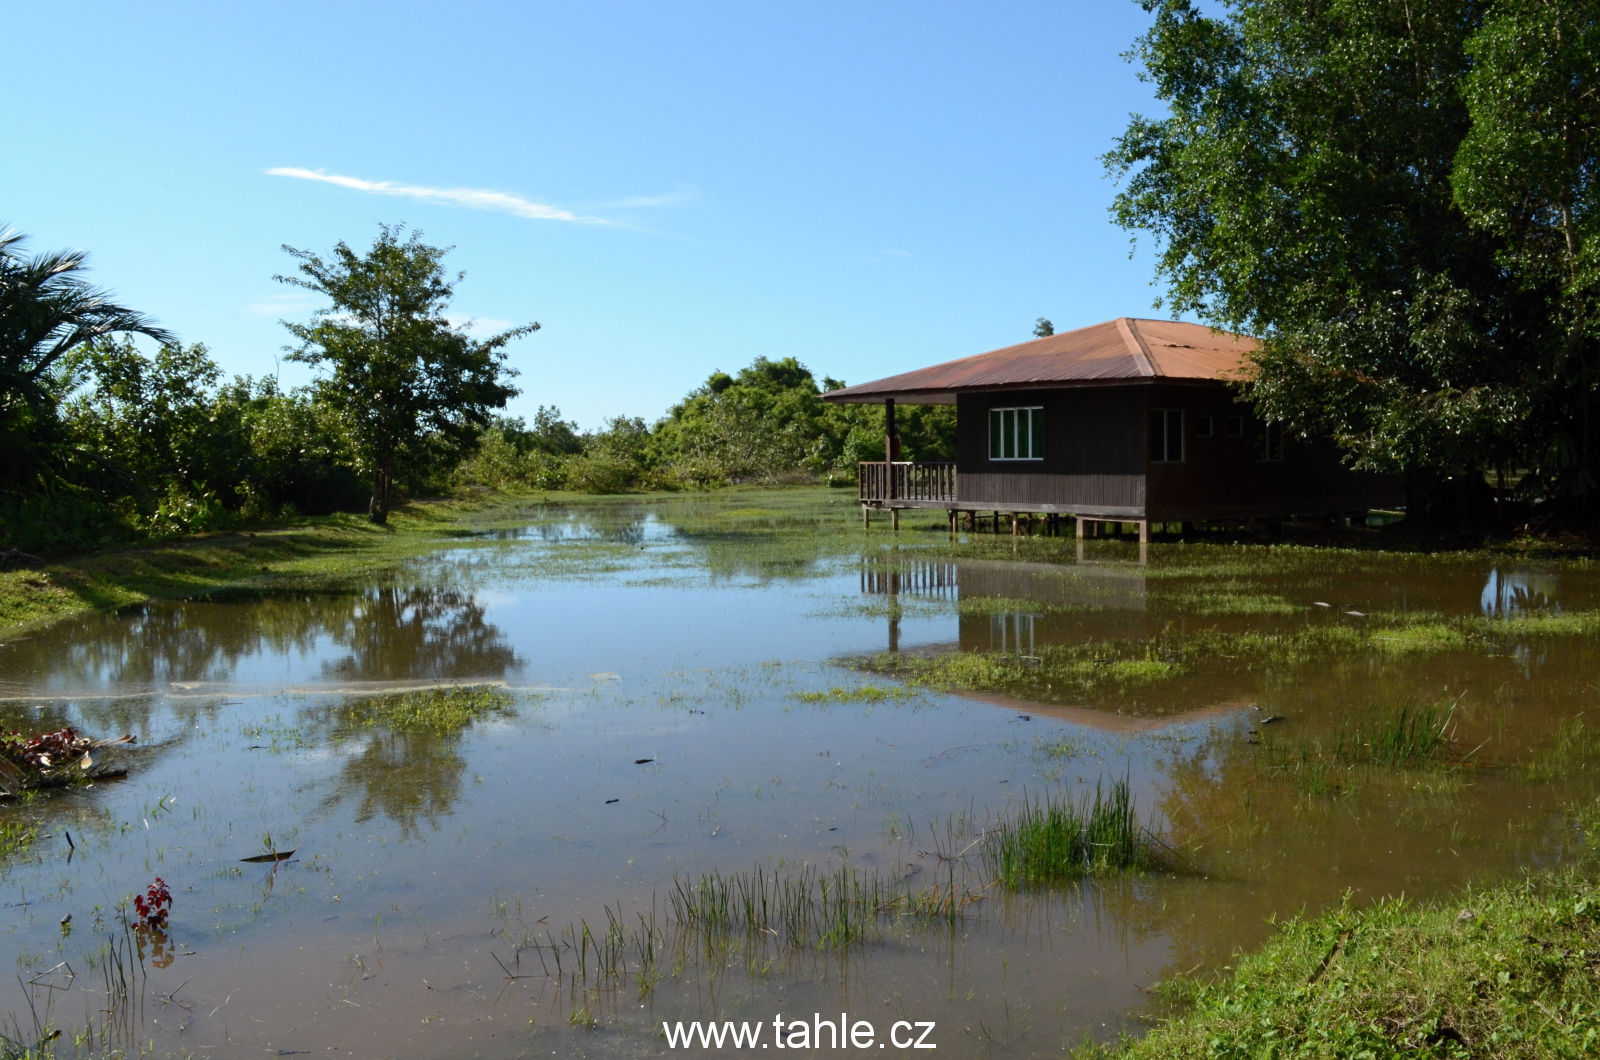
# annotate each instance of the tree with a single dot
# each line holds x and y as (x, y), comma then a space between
(47, 309)
(1043, 329)
(1313, 185)
(413, 389)
(1526, 173)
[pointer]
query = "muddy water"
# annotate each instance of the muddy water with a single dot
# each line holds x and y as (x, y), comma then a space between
(664, 662)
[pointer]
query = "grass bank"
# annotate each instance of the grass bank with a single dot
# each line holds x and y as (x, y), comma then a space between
(1512, 971)
(313, 553)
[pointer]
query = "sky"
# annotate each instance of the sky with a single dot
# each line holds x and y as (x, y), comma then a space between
(667, 188)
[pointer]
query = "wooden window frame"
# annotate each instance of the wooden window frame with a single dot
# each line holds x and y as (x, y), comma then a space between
(1032, 434)
(1205, 426)
(1235, 426)
(1162, 453)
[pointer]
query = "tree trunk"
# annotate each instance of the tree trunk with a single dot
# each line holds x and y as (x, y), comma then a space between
(378, 507)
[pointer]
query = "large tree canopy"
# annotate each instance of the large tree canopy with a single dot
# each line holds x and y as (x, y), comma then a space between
(1393, 195)
(412, 387)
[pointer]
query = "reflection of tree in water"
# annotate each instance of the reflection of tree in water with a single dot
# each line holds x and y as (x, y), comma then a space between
(418, 633)
(388, 633)
(406, 777)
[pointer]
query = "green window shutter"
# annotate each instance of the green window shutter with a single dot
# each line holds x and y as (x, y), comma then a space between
(1036, 428)
(1175, 435)
(994, 434)
(1158, 436)
(1008, 433)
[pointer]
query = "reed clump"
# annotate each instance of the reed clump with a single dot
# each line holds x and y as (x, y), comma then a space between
(1055, 840)
(1409, 734)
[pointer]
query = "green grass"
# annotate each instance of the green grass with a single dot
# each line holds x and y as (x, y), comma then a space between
(1406, 735)
(1113, 667)
(1058, 749)
(1508, 972)
(1574, 747)
(435, 711)
(1056, 840)
(16, 838)
(860, 694)
(1003, 605)
(317, 553)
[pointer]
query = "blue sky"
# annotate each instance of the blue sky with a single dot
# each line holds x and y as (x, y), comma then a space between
(668, 188)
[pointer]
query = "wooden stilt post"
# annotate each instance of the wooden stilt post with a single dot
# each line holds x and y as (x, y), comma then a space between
(894, 519)
(997, 522)
(1144, 531)
(866, 517)
(1082, 524)
(954, 519)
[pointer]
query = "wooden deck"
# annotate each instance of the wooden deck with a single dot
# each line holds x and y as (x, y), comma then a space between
(903, 484)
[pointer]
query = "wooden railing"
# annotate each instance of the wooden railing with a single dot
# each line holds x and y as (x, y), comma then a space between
(877, 481)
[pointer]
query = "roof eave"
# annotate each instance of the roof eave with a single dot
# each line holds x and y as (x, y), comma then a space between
(947, 396)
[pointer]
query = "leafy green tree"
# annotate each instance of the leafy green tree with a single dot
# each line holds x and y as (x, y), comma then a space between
(298, 459)
(1312, 184)
(154, 419)
(47, 309)
(1525, 173)
(766, 422)
(414, 390)
(1043, 329)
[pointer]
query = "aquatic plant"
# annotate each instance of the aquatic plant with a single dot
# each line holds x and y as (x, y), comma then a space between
(1053, 840)
(859, 694)
(152, 907)
(436, 711)
(16, 838)
(1404, 735)
(1575, 746)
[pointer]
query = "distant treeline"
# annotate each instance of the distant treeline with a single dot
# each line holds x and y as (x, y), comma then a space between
(107, 443)
(768, 424)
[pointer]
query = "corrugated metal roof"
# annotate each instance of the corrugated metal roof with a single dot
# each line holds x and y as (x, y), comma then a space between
(1123, 349)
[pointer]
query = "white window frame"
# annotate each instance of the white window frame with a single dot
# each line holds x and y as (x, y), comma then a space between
(1032, 434)
(1269, 442)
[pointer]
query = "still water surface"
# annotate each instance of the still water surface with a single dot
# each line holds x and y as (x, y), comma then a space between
(657, 656)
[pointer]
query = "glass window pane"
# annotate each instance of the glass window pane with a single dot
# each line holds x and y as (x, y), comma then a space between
(994, 434)
(1008, 433)
(1036, 426)
(1158, 436)
(1175, 435)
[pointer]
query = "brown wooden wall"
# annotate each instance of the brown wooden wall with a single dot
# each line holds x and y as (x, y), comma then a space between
(1220, 476)
(1094, 452)
(1097, 460)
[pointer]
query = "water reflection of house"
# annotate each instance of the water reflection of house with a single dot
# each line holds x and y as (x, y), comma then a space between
(1019, 608)
(1022, 600)
(1129, 420)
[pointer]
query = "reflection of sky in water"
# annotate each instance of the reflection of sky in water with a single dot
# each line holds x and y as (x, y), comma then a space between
(1517, 590)
(703, 753)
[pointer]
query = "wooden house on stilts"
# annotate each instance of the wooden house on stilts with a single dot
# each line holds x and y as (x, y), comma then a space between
(1127, 421)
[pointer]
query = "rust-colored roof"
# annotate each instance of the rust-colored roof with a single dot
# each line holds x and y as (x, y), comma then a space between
(1125, 349)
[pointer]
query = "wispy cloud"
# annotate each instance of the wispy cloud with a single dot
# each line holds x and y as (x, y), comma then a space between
(472, 198)
(278, 304)
(478, 323)
(677, 197)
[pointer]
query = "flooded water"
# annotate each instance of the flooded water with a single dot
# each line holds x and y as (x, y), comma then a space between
(685, 688)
